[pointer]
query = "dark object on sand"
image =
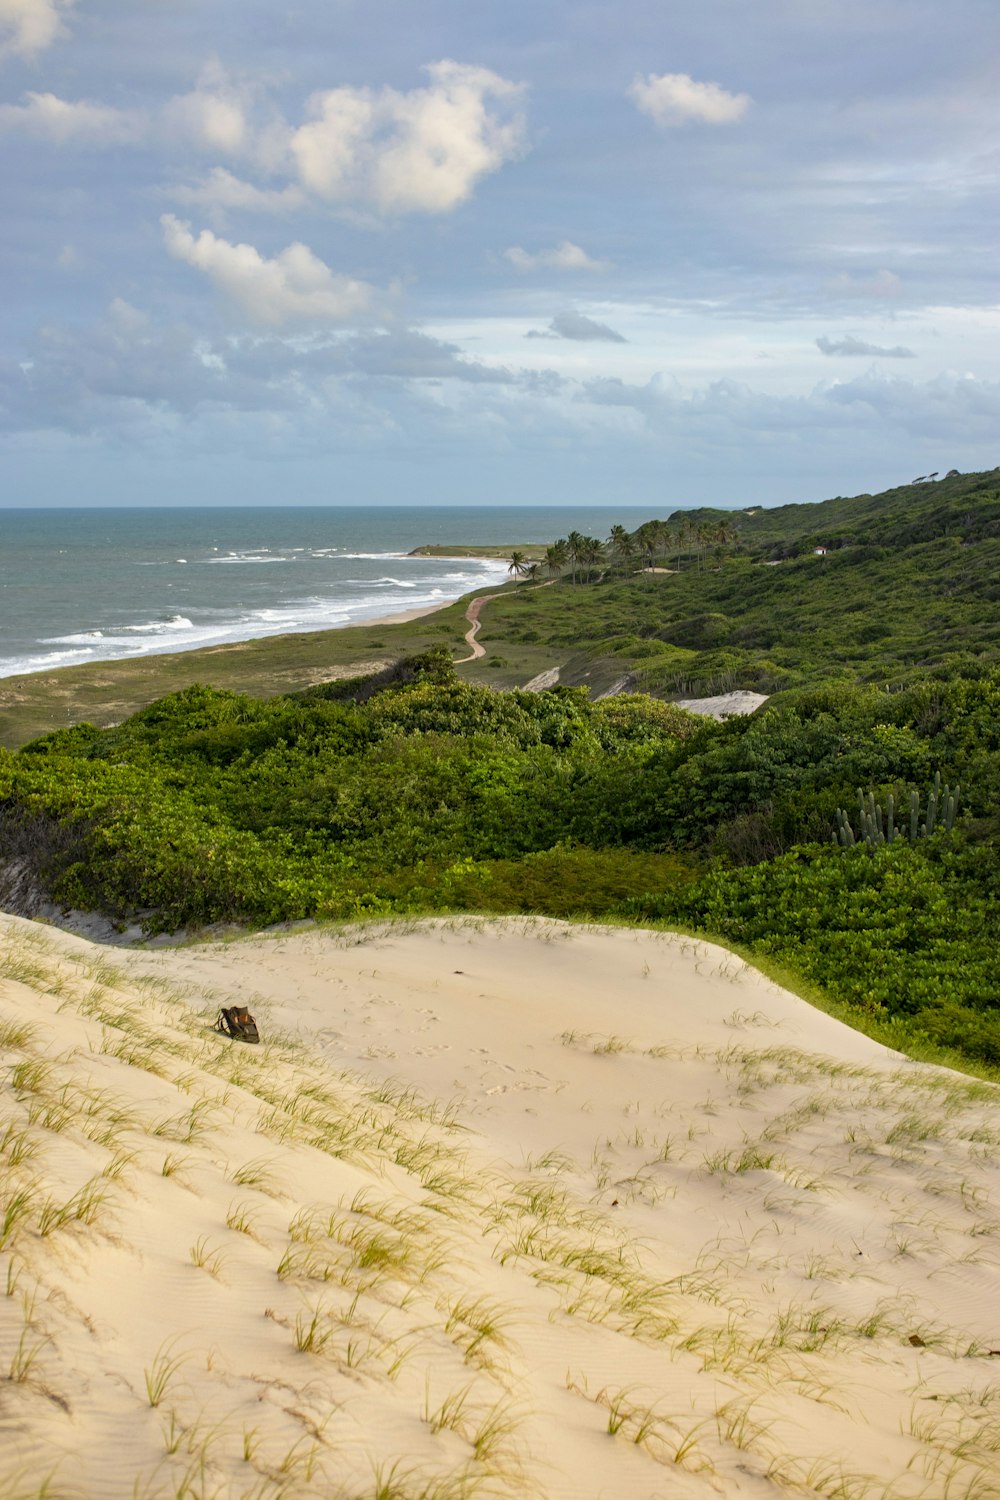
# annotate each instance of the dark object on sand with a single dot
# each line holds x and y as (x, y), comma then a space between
(237, 1022)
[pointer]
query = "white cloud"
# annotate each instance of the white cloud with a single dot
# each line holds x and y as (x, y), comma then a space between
(62, 120)
(29, 26)
(422, 151)
(850, 345)
(562, 257)
(577, 326)
(213, 115)
(222, 190)
(675, 98)
(295, 287)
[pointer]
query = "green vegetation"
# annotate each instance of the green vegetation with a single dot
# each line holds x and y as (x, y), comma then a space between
(826, 834)
(430, 794)
(531, 551)
(110, 691)
(908, 588)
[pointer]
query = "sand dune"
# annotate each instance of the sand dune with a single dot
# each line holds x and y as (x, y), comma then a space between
(499, 1209)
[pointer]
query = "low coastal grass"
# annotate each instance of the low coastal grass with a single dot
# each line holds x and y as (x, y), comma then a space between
(783, 603)
(108, 692)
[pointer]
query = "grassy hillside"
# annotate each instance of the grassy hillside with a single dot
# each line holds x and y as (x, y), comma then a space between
(910, 585)
(110, 691)
(966, 506)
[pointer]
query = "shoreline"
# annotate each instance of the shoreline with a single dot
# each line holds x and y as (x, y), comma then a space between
(455, 552)
(406, 615)
(399, 617)
(106, 692)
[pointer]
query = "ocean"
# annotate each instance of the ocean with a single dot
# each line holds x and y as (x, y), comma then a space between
(89, 585)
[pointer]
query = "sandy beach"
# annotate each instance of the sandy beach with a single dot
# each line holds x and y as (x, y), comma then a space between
(505, 1208)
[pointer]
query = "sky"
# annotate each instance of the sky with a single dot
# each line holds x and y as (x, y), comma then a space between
(537, 251)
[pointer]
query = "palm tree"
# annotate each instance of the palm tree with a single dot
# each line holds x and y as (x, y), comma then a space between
(646, 537)
(575, 548)
(662, 539)
(556, 556)
(684, 535)
(621, 544)
(517, 564)
(593, 552)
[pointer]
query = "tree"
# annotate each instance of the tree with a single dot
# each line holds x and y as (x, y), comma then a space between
(556, 556)
(724, 534)
(621, 544)
(662, 540)
(685, 533)
(645, 536)
(518, 565)
(576, 546)
(593, 551)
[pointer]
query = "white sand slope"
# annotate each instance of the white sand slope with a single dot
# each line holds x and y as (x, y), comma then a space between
(497, 1209)
(724, 705)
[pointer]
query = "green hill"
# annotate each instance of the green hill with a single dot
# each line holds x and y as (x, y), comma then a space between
(848, 832)
(908, 585)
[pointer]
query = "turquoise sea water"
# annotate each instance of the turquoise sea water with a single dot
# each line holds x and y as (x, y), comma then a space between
(94, 585)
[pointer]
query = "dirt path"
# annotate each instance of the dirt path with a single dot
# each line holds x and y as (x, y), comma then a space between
(472, 615)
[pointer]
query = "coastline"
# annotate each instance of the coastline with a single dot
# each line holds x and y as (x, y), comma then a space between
(106, 692)
(150, 583)
(406, 615)
(456, 552)
(258, 636)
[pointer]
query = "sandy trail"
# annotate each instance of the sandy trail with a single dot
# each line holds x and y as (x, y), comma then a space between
(472, 615)
(500, 1208)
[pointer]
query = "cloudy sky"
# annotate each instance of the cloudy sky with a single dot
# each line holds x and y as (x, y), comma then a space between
(509, 251)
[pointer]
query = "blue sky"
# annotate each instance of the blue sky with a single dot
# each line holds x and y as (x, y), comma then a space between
(435, 252)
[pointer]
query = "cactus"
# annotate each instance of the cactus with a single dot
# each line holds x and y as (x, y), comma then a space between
(845, 833)
(874, 829)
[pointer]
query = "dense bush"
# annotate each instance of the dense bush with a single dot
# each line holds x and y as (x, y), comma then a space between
(429, 794)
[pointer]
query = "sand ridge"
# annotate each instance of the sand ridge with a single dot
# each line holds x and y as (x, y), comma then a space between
(500, 1208)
